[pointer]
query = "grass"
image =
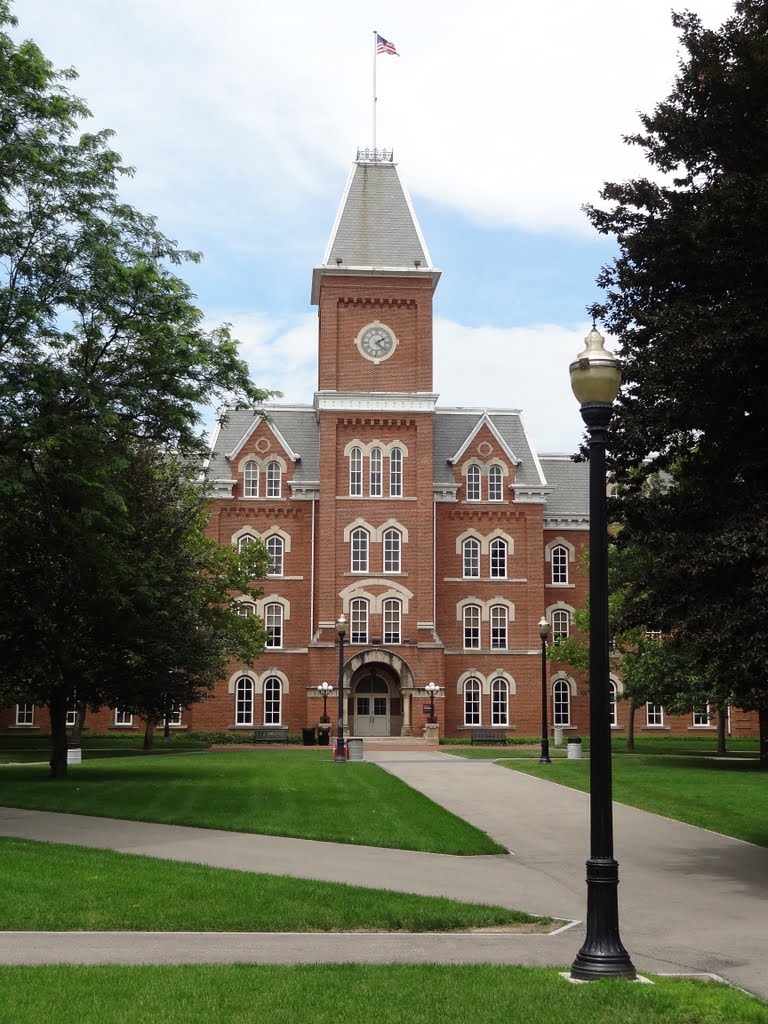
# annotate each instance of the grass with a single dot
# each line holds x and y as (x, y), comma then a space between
(298, 793)
(24, 748)
(54, 887)
(357, 994)
(697, 746)
(736, 802)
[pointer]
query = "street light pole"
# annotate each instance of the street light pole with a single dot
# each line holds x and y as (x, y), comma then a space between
(543, 627)
(432, 689)
(595, 380)
(341, 629)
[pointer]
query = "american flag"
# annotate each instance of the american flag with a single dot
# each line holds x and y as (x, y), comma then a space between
(384, 46)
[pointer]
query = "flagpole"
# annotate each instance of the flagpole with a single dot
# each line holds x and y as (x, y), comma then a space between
(375, 37)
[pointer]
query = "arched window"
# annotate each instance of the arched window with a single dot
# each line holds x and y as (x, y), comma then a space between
(473, 483)
(499, 559)
(246, 608)
(273, 694)
(275, 550)
(358, 621)
(396, 473)
(499, 702)
(273, 480)
(471, 557)
(471, 626)
(392, 547)
(244, 701)
(392, 617)
(273, 620)
(355, 473)
(612, 695)
(559, 558)
(561, 625)
(251, 480)
(495, 484)
(499, 618)
(359, 550)
(472, 702)
(374, 469)
(244, 541)
(561, 704)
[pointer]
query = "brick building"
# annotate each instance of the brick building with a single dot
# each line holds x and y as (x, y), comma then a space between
(439, 533)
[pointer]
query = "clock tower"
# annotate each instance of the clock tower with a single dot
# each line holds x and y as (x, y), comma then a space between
(375, 406)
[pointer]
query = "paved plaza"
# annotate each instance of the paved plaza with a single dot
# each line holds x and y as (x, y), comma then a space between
(690, 900)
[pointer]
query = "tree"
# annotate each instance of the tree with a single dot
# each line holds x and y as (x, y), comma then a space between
(102, 352)
(688, 301)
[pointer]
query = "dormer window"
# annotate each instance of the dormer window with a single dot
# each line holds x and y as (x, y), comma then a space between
(251, 480)
(273, 479)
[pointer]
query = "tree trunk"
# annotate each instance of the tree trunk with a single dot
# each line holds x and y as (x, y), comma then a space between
(722, 721)
(77, 729)
(149, 733)
(58, 712)
(631, 728)
(763, 713)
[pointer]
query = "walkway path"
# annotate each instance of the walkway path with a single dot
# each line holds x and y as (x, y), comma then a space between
(690, 900)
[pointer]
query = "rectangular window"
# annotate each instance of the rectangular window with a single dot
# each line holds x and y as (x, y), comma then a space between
(471, 627)
(375, 473)
(396, 473)
(25, 714)
(391, 622)
(654, 714)
(123, 717)
(702, 718)
(71, 718)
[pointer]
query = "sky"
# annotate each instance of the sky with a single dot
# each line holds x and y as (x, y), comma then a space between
(242, 120)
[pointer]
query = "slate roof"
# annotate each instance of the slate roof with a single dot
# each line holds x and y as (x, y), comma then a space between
(567, 480)
(376, 228)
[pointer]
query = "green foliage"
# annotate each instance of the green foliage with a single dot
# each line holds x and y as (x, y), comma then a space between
(104, 368)
(687, 299)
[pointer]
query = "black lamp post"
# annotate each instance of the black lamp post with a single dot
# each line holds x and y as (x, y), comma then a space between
(341, 629)
(595, 380)
(543, 627)
(432, 689)
(326, 690)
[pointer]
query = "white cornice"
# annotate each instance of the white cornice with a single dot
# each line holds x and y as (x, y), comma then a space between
(368, 401)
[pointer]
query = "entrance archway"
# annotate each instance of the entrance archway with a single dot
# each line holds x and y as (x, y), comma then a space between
(380, 684)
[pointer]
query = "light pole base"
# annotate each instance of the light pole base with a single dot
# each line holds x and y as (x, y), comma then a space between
(602, 955)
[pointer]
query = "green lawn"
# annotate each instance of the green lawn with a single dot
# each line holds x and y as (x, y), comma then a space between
(53, 887)
(299, 793)
(357, 994)
(736, 802)
(24, 747)
(696, 746)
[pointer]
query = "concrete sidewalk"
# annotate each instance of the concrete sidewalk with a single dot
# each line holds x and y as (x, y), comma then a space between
(690, 900)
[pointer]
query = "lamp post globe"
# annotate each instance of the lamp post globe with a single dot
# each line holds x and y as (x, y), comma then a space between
(432, 689)
(341, 630)
(325, 691)
(543, 628)
(595, 380)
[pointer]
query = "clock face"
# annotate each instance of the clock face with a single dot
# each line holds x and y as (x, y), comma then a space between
(377, 342)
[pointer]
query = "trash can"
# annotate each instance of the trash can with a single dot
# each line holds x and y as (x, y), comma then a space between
(574, 748)
(74, 755)
(323, 735)
(354, 748)
(308, 736)
(558, 735)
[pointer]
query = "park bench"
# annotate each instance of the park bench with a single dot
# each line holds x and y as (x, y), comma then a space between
(270, 734)
(488, 736)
